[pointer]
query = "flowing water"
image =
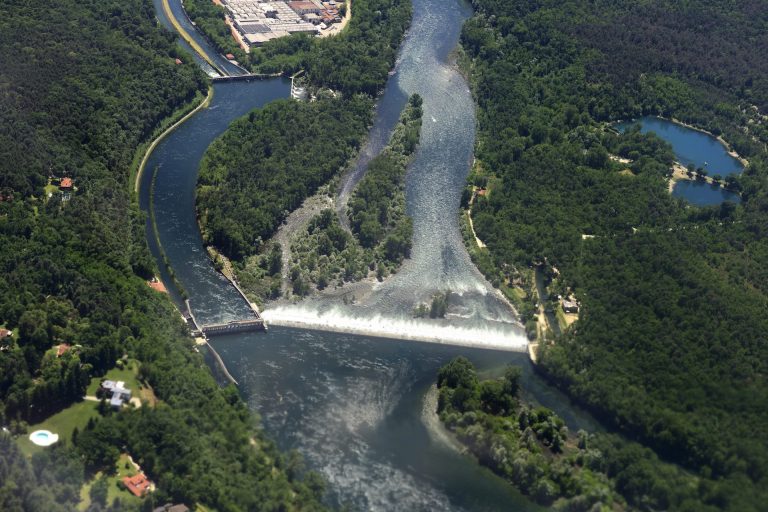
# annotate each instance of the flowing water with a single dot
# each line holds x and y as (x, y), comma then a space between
(356, 406)
(477, 313)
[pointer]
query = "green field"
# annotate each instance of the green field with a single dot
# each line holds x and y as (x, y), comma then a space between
(123, 468)
(126, 374)
(62, 423)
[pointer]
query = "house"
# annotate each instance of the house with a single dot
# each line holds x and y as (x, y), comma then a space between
(6, 339)
(116, 391)
(138, 485)
(62, 349)
(66, 184)
(570, 305)
(178, 62)
(157, 285)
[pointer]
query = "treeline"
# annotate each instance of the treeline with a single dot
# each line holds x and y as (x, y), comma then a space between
(532, 448)
(209, 20)
(266, 164)
(379, 235)
(670, 344)
(84, 84)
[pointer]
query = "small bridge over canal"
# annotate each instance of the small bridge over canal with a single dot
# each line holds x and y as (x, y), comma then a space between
(232, 327)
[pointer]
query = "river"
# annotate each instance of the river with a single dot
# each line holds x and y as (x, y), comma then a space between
(354, 405)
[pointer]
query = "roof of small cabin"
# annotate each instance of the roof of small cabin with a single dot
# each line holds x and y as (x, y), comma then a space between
(66, 183)
(138, 484)
(62, 349)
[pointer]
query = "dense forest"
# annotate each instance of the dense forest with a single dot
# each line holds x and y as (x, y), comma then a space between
(266, 164)
(532, 448)
(378, 238)
(670, 346)
(356, 60)
(83, 85)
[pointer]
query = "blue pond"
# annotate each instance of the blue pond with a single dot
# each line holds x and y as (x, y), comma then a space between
(697, 148)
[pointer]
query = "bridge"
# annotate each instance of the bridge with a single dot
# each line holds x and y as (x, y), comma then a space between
(233, 327)
(244, 77)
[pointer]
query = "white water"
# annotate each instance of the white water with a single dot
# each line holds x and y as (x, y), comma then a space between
(478, 315)
(485, 335)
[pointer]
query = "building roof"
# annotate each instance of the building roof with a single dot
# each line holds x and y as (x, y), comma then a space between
(66, 183)
(178, 61)
(158, 286)
(4, 333)
(62, 349)
(138, 484)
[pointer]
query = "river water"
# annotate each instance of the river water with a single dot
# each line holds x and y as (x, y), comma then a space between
(355, 405)
(477, 313)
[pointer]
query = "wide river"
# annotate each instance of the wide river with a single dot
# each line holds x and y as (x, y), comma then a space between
(355, 406)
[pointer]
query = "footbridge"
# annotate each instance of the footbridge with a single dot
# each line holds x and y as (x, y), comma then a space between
(232, 327)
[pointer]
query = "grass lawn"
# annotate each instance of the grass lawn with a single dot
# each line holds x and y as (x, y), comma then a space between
(126, 374)
(62, 423)
(123, 468)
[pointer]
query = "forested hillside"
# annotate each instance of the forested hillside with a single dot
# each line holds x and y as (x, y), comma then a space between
(82, 85)
(670, 347)
(262, 168)
(265, 165)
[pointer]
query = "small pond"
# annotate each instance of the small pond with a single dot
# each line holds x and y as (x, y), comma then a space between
(697, 148)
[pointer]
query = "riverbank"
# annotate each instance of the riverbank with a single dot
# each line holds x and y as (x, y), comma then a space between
(188, 38)
(204, 102)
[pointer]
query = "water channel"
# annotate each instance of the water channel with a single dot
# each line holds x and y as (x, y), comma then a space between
(355, 405)
(694, 147)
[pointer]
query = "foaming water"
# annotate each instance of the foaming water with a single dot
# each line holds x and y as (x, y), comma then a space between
(452, 331)
(478, 314)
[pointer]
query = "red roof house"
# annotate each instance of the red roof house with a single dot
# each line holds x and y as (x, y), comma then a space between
(66, 183)
(138, 484)
(62, 349)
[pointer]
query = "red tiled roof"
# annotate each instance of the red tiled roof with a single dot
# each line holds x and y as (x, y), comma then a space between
(157, 286)
(138, 484)
(66, 183)
(4, 333)
(62, 349)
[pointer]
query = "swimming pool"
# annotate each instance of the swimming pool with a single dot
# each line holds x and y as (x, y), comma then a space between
(43, 437)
